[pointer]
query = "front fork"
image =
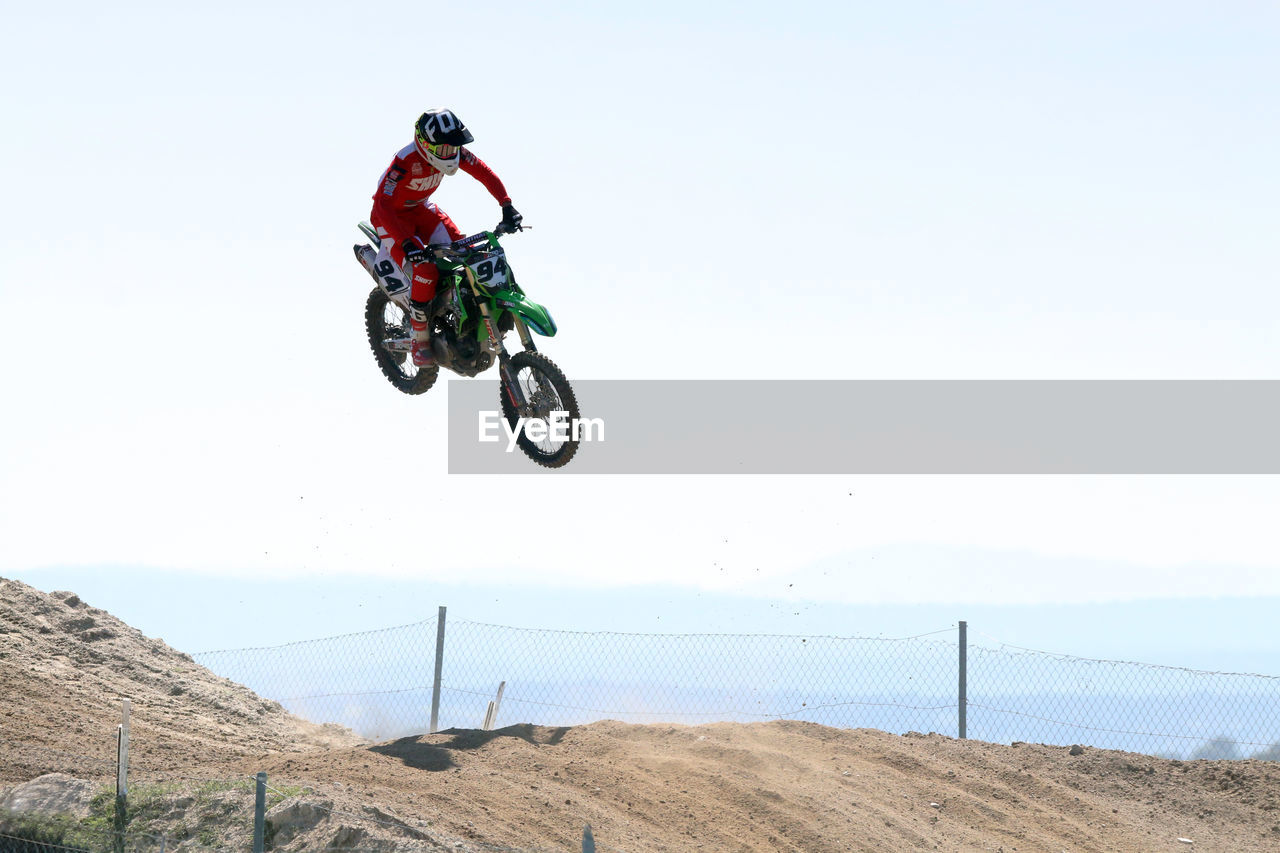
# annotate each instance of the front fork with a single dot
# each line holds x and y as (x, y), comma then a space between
(510, 386)
(526, 339)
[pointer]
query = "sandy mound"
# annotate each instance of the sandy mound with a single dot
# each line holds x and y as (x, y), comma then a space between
(761, 787)
(65, 666)
(798, 786)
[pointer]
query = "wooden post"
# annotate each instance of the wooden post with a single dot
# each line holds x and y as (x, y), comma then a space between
(491, 714)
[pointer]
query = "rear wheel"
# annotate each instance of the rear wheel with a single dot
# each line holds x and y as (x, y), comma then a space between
(545, 390)
(388, 328)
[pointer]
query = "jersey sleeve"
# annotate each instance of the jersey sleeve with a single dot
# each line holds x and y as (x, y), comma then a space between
(391, 187)
(476, 168)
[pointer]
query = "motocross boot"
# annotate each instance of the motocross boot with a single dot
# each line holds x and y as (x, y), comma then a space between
(420, 331)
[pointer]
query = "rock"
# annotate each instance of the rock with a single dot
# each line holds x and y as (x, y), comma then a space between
(1077, 749)
(348, 838)
(50, 794)
(297, 817)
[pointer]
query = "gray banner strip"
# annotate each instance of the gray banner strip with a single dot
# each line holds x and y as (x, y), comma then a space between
(896, 427)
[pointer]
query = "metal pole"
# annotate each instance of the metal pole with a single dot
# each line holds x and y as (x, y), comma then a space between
(963, 703)
(435, 685)
(122, 779)
(260, 814)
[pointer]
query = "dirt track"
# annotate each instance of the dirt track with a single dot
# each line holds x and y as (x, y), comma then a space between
(768, 786)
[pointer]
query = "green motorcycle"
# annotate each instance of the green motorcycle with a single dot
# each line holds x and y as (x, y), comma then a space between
(477, 303)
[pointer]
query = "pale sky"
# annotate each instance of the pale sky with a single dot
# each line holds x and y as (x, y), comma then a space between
(717, 190)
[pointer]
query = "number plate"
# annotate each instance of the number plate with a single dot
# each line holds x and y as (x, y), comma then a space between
(490, 269)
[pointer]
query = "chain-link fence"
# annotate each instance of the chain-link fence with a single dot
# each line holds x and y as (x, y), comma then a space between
(377, 683)
(1024, 694)
(382, 684)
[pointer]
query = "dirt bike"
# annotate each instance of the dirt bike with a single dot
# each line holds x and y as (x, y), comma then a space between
(477, 303)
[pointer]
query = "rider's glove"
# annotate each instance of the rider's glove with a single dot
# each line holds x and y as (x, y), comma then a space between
(511, 218)
(413, 253)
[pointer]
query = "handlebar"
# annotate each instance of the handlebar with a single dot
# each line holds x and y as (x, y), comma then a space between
(455, 250)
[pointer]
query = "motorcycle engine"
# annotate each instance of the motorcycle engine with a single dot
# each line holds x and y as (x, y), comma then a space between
(464, 353)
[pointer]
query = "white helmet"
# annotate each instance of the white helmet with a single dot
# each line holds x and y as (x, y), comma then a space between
(439, 136)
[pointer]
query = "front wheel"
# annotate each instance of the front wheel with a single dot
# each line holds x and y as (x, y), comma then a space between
(388, 330)
(546, 391)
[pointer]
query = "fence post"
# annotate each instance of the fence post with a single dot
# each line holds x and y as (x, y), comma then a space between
(497, 704)
(260, 814)
(963, 701)
(122, 778)
(435, 685)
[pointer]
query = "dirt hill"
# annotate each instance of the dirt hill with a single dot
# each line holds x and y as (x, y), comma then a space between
(65, 666)
(761, 787)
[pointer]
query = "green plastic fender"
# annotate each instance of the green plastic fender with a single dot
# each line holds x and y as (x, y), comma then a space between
(535, 316)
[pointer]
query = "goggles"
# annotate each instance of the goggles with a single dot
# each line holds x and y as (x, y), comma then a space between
(443, 151)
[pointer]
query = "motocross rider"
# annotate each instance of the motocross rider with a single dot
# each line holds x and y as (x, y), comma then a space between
(407, 221)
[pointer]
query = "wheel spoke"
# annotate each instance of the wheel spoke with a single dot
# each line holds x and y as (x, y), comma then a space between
(388, 331)
(540, 394)
(544, 391)
(394, 325)
(542, 400)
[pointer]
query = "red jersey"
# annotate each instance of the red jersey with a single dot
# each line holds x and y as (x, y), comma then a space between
(411, 179)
